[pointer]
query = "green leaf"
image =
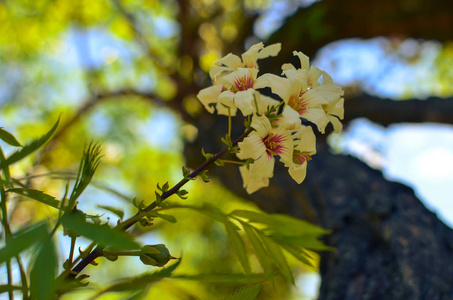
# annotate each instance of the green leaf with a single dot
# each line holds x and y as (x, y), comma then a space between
(277, 257)
(282, 224)
(102, 234)
(42, 276)
(245, 293)
(227, 278)
(182, 193)
(29, 148)
(9, 138)
(260, 252)
(307, 241)
(186, 173)
(23, 240)
(142, 281)
(38, 196)
(114, 210)
(168, 218)
(3, 165)
(238, 246)
(298, 253)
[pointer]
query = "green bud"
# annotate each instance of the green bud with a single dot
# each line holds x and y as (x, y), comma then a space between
(155, 255)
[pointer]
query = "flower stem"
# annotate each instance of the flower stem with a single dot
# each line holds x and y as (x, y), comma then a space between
(234, 162)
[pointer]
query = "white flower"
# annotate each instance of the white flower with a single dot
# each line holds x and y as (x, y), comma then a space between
(231, 62)
(300, 100)
(239, 89)
(209, 97)
(305, 147)
(261, 145)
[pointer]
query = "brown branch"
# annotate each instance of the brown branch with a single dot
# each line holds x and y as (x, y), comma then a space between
(386, 111)
(91, 103)
(134, 219)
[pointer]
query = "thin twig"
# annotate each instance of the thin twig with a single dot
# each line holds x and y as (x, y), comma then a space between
(134, 219)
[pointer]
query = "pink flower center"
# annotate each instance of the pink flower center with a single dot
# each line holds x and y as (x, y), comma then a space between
(298, 103)
(243, 83)
(301, 158)
(274, 144)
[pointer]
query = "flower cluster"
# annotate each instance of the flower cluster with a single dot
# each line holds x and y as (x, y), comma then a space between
(277, 124)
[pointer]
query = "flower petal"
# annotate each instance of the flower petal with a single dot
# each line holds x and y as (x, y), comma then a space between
(251, 147)
(222, 110)
(262, 125)
(209, 95)
(305, 140)
(263, 166)
(271, 50)
(244, 102)
(231, 61)
(318, 117)
(251, 55)
(337, 126)
(298, 172)
(304, 60)
(264, 102)
(216, 72)
(252, 184)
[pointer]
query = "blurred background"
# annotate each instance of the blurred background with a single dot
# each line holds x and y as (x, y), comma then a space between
(126, 72)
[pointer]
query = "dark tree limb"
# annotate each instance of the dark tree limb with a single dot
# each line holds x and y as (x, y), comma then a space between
(386, 111)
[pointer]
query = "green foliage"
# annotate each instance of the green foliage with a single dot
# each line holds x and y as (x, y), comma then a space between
(38, 196)
(42, 283)
(268, 235)
(88, 165)
(28, 148)
(23, 240)
(116, 211)
(9, 138)
(245, 293)
(142, 281)
(102, 234)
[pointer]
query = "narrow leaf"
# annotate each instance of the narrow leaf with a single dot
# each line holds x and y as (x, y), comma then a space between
(245, 293)
(29, 148)
(286, 225)
(298, 253)
(9, 138)
(233, 278)
(168, 218)
(238, 246)
(114, 210)
(142, 281)
(277, 257)
(42, 276)
(38, 196)
(310, 242)
(260, 252)
(101, 234)
(23, 240)
(3, 165)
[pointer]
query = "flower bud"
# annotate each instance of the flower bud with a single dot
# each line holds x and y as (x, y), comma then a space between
(155, 255)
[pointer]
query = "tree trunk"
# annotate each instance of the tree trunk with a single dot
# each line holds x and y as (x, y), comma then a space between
(389, 245)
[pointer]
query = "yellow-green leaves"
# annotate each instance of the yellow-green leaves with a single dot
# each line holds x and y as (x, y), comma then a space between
(9, 138)
(266, 236)
(28, 148)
